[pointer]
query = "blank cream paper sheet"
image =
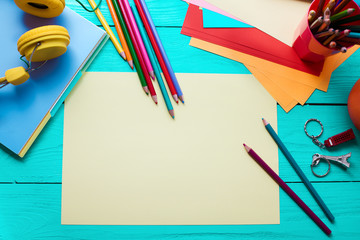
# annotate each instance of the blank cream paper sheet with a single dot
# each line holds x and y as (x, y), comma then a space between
(127, 162)
(278, 18)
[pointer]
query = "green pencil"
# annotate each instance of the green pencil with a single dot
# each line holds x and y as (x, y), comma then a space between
(153, 61)
(348, 19)
(342, 14)
(352, 28)
(131, 46)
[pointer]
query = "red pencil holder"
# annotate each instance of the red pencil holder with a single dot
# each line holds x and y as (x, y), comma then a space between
(307, 46)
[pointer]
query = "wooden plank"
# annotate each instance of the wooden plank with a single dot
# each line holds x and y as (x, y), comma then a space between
(33, 211)
(165, 13)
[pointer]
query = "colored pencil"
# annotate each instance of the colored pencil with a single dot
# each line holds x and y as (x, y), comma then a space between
(131, 46)
(327, 13)
(316, 23)
(108, 30)
(324, 25)
(330, 5)
(153, 62)
(343, 49)
(298, 170)
(338, 2)
(353, 28)
(348, 19)
(324, 34)
(339, 7)
(120, 33)
(342, 34)
(354, 35)
(342, 14)
(141, 4)
(329, 39)
(311, 16)
(138, 53)
(349, 40)
(332, 44)
(157, 51)
(288, 190)
(138, 39)
(319, 9)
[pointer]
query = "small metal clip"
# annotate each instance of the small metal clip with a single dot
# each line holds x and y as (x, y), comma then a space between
(342, 160)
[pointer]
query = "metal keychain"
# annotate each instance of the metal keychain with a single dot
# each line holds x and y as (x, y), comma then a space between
(315, 138)
(342, 160)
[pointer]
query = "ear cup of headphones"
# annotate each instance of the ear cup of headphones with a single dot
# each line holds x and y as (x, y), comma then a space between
(42, 8)
(53, 41)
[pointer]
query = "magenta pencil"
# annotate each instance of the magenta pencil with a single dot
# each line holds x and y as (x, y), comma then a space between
(152, 32)
(288, 190)
(139, 55)
(129, 15)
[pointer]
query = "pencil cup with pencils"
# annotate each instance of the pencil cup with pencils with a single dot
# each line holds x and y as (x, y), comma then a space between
(329, 27)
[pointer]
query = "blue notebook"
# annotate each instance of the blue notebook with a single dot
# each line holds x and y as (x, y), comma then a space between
(25, 109)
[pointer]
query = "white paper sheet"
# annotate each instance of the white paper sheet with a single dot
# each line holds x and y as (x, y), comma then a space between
(278, 18)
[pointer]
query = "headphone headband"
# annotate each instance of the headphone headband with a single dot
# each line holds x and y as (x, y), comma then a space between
(42, 8)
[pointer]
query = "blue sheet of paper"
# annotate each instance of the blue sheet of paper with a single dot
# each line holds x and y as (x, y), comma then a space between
(216, 20)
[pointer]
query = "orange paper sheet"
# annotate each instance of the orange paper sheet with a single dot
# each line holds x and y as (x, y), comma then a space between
(278, 79)
(286, 101)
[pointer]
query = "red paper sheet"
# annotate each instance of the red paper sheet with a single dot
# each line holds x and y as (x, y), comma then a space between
(251, 41)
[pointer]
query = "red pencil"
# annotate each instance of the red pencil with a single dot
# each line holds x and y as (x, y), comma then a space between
(287, 189)
(138, 53)
(157, 51)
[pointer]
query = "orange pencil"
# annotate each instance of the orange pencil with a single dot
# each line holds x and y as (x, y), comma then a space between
(330, 5)
(120, 33)
(329, 39)
(339, 7)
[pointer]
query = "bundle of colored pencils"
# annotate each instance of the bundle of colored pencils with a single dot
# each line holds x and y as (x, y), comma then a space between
(336, 23)
(143, 49)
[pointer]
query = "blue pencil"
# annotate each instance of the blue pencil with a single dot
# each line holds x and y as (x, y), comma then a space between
(154, 64)
(298, 170)
(338, 2)
(354, 35)
(162, 50)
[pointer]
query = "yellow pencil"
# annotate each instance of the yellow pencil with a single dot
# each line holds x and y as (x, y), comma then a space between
(108, 29)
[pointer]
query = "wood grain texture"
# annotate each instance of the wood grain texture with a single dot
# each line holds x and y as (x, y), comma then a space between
(32, 210)
(165, 13)
(335, 119)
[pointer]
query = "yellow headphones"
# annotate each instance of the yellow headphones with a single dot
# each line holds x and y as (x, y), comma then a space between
(39, 44)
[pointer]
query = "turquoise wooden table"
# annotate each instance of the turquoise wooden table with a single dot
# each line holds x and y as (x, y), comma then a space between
(30, 188)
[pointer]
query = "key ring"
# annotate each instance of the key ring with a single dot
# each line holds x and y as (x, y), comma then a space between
(316, 163)
(314, 138)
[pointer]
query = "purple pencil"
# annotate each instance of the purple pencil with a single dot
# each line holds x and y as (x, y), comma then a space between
(139, 40)
(141, 3)
(288, 190)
